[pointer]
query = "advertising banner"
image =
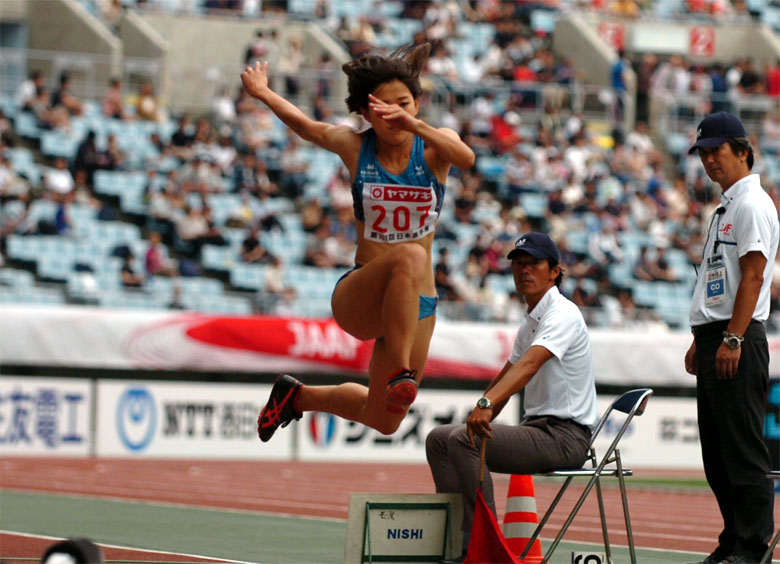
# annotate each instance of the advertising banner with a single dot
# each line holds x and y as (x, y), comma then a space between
(45, 416)
(183, 420)
(73, 336)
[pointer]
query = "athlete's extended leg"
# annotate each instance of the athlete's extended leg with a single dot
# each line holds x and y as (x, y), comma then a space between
(368, 405)
(379, 301)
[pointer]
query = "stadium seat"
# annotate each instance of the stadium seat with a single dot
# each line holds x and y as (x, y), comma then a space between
(609, 464)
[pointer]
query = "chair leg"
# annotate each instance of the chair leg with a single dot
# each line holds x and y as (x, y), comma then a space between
(573, 514)
(546, 517)
(624, 496)
(603, 515)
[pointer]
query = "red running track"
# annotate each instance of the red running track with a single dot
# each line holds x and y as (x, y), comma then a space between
(664, 518)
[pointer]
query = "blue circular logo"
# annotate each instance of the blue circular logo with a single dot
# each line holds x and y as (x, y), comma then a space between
(136, 418)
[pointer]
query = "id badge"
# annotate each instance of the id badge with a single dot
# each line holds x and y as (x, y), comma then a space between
(715, 292)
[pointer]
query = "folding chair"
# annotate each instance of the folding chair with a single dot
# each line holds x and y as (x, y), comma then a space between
(767, 559)
(630, 403)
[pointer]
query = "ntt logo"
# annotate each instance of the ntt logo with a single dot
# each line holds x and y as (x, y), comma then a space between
(322, 428)
(136, 418)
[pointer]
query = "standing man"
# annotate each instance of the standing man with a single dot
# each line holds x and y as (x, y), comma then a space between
(729, 355)
(552, 361)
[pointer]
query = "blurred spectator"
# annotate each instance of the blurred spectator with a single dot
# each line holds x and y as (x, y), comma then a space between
(130, 278)
(316, 252)
(113, 158)
(750, 82)
(59, 180)
(28, 91)
(64, 98)
(182, 138)
(223, 108)
(604, 245)
(257, 49)
(112, 104)
(87, 158)
(147, 107)
(253, 251)
(176, 299)
(157, 262)
(618, 73)
(445, 286)
(769, 140)
(62, 222)
(190, 230)
(11, 184)
(661, 270)
(47, 116)
(442, 65)
(294, 167)
(644, 74)
(326, 73)
(290, 63)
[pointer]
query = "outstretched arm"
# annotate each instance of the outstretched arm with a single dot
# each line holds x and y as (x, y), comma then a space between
(449, 147)
(331, 137)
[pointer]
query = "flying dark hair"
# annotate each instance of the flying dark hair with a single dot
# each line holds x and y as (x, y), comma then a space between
(367, 72)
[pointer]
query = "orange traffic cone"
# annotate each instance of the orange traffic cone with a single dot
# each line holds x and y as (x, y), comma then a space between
(520, 519)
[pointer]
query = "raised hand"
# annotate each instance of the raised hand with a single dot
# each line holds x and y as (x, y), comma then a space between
(255, 79)
(393, 113)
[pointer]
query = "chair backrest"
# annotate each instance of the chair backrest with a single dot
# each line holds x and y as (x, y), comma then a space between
(632, 403)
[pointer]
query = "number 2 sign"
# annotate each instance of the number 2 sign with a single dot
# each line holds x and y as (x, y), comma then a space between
(702, 42)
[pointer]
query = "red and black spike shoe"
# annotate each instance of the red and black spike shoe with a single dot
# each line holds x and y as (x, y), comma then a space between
(401, 390)
(280, 410)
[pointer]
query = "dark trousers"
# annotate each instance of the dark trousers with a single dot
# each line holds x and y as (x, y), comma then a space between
(735, 455)
(537, 445)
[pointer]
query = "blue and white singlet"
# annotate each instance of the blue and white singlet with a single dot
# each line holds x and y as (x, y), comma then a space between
(400, 207)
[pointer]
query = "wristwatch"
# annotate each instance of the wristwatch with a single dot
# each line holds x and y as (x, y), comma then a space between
(484, 403)
(732, 340)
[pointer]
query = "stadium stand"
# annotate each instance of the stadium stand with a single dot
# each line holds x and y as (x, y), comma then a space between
(575, 173)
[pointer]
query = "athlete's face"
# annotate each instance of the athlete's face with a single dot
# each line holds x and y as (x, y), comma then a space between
(722, 165)
(533, 276)
(393, 94)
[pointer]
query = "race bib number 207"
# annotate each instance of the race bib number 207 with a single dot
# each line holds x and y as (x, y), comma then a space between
(395, 213)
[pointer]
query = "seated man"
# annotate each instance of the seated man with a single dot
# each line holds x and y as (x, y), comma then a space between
(552, 361)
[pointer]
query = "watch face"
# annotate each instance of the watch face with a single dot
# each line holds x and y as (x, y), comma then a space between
(483, 403)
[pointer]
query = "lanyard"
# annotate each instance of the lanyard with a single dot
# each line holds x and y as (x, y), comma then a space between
(715, 216)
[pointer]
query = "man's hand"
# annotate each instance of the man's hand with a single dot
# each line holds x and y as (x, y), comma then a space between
(478, 423)
(690, 360)
(727, 362)
(255, 79)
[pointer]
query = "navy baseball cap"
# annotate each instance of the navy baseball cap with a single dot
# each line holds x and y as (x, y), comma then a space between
(538, 245)
(715, 129)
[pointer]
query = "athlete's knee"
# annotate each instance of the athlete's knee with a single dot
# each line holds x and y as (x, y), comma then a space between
(411, 262)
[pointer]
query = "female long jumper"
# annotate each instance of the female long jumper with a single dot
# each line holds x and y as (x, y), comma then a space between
(398, 170)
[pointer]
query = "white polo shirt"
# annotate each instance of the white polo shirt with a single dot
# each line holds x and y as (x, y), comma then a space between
(565, 385)
(748, 222)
